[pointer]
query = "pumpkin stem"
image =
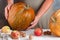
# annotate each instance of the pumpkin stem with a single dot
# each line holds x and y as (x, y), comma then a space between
(53, 19)
(27, 7)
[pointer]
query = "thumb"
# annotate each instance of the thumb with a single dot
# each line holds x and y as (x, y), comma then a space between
(6, 12)
(9, 6)
(33, 22)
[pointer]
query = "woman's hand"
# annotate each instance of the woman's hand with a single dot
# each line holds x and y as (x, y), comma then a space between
(34, 23)
(41, 12)
(7, 8)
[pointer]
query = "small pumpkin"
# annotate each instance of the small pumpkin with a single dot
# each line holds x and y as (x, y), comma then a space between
(20, 16)
(54, 23)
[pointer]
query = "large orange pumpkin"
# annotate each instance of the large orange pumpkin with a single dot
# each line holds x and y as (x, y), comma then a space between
(54, 23)
(20, 16)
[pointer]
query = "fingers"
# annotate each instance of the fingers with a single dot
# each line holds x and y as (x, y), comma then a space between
(9, 6)
(6, 12)
(34, 21)
(10, 2)
(33, 25)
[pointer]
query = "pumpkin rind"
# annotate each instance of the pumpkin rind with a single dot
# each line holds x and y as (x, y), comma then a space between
(54, 23)
(20, 17)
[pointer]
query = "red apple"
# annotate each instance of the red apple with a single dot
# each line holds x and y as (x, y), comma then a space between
(15, 34)
(38, 31)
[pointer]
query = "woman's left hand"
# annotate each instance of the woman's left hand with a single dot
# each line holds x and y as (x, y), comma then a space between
(34, 23)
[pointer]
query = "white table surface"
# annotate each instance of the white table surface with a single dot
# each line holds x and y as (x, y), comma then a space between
(43, 37)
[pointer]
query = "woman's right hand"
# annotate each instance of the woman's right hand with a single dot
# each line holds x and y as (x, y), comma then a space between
(7, 8)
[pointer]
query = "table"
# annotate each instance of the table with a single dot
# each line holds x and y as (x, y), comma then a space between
(43, 37)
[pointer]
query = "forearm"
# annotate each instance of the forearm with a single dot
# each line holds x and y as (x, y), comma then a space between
(10, 1)
(44, 7)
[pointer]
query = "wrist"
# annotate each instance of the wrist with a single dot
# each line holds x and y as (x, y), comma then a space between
(37, 17)
(10, 1)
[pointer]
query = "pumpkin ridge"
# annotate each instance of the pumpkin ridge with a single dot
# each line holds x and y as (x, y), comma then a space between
(20, 17)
